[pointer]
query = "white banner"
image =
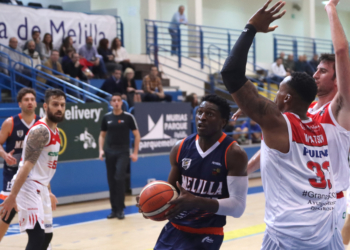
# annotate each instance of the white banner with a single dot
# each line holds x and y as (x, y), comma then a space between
(19, 22)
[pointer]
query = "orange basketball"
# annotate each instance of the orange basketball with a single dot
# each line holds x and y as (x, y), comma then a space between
(154, 198)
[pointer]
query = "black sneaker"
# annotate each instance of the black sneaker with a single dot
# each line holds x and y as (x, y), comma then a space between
(120, 215)
(112, 215)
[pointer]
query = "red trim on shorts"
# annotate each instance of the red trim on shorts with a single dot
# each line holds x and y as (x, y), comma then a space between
(179, 150)
(3, 197)
(340, 195)
(203, 230)
(226, 152)
(39, 183)
(13, 124)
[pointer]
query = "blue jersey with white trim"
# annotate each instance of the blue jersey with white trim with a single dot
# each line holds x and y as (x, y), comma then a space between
(203, 174)
(15, 141)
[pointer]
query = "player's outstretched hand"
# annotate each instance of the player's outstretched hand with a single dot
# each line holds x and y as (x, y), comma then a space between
(236, 115)
(6, 207)
(54, 201)
(185, 201)
(138, 205)
(332, 2)
(262, 19)
(10, 160)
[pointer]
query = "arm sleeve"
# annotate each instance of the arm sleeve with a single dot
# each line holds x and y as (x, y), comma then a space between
(233, 72)
(104, 124)
(235, 204)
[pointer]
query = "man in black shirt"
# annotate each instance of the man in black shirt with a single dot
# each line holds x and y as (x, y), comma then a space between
(72, 67)
(114, 84)
(117, 125)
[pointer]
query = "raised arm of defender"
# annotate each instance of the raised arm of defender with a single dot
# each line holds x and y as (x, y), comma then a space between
(341, 102)
(245, 94)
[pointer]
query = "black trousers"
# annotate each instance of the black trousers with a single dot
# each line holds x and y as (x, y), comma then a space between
(116, 163)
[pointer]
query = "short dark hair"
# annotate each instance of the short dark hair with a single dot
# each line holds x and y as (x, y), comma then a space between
(53, 92)
(304, 86)
(35, 31)
(328, 58)
(23, 92)
(222, 104)
(117, 94)
(54, 50)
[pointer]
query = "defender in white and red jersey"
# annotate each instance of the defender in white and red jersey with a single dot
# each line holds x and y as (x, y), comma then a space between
(30, 186)
(295, 161)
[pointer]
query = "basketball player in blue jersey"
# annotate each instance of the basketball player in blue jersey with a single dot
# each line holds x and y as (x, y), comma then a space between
(12, 132)
(209, 170)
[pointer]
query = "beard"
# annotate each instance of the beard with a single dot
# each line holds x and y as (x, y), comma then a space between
(51, 116)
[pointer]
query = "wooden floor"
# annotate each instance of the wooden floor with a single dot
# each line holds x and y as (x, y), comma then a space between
(137, 233)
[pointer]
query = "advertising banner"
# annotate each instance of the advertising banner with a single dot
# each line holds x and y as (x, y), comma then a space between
(80, 130)
(161, 125)
(19, 22)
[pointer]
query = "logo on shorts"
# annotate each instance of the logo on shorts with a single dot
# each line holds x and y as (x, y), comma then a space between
(48, 225)
(344, 215)
(38, 191)
(207, 239)
(20, 133)
(186, 163)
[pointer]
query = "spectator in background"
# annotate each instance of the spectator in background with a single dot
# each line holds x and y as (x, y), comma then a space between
(289, 64)
(14, 53)
(300, 65)
(72, 67)
(193, 99)
(54, 64)
(106, 54)
(30, 51)
(120, 54)
(89, 52)
(282, 57)
(68, 57)
(37, 42)
(178, 19)
(132, 93)
(46, 47)
(67, 44)
(278, 73)
(152, 86)
(114, 84)
(230, 128)
(254, 129)
(314, 63)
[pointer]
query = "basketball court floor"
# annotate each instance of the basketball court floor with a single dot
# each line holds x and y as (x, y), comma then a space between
(84, 226)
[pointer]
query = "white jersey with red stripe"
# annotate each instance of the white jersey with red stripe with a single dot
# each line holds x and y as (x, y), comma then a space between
(339, 149)
(45, 167)
(298, 186)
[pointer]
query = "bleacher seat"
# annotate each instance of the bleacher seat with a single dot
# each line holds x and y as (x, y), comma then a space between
(55, 7)
(35, 5)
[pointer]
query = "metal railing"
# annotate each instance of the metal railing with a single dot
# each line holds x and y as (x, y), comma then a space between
(20, 75)
(298, 45)
(190, 40)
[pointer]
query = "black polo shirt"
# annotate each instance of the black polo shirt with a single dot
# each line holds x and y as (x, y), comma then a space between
(118, 129)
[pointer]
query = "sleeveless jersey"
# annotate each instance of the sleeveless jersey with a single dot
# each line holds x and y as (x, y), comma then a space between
(299, 187)
(45, 167)
(15, 141)
(339, 153)
(203, 174)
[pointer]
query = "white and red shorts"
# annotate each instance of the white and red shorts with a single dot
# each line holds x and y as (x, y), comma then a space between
(34, 205)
